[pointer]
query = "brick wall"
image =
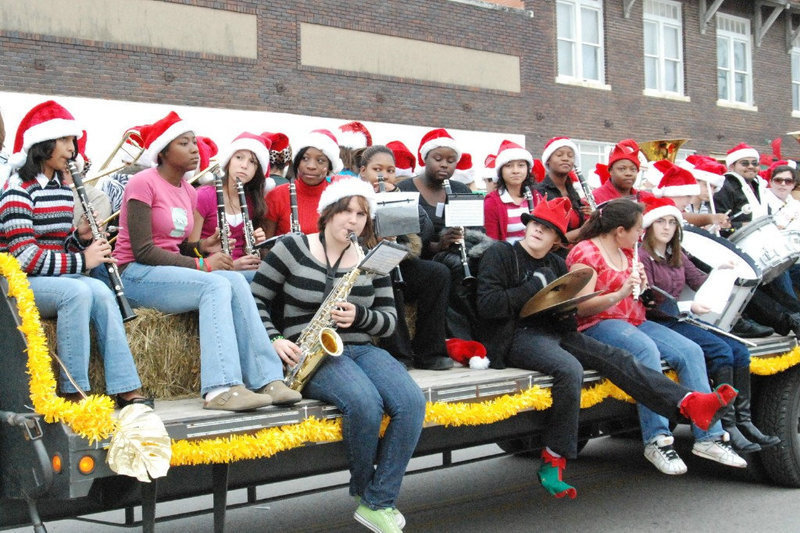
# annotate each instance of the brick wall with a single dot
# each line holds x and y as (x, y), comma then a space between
(276, 81)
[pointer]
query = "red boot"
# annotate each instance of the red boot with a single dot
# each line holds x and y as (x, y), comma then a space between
(704, 409)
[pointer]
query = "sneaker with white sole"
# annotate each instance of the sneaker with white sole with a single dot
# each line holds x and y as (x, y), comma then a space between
(377, 520)
(719, 451)
(399, 519)
(664, 457)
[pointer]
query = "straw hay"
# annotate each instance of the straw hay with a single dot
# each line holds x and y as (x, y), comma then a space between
(166, 350)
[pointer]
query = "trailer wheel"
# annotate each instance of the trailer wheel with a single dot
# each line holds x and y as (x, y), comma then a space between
(778, 413)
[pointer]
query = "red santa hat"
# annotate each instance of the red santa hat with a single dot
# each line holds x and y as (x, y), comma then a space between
(782, 163)
(554, 214)
(655, 208)
(625, 149)
(675, 181)
(511, 151)
(538, 171)
(344, 187)
(82, 161)
(208, 149)
(438, 138)
(280, 153)
(46, 121)
(554, 144)
(354, 135)
(705, 168)
(324, 141)
(601, 169)
(404, 160)
(258, 144)
(158, 135)
(468, 353)
(740, 151)
(464, 171)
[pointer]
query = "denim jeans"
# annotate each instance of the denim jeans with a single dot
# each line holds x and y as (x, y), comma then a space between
(364, 383)
(76, 300)
(232, 351)
(719, 351)
(649, 343)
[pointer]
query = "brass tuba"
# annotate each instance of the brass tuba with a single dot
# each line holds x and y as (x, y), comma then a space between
(662, 149)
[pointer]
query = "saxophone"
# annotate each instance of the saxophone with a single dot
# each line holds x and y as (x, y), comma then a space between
(319, 338)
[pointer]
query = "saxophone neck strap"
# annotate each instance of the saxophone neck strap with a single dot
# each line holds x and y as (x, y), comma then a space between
(330, 275)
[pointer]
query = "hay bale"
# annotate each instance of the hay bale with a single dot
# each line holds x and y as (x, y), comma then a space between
(166, 349)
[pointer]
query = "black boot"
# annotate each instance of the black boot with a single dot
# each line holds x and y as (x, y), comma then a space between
(741, 381)
(738, 441)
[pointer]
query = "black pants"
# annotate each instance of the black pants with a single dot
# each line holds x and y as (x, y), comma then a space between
(564, 355)
(771, 306)
(427, 284)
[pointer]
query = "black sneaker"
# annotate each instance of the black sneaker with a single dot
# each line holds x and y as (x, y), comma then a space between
(749, 329)
(435, 363)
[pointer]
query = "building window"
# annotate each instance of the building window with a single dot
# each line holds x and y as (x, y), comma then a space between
(663, 46)
(796, 79)
(589, 154)
(734, 64)
(580, 40)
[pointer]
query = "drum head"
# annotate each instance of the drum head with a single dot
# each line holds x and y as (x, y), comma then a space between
(712, 251)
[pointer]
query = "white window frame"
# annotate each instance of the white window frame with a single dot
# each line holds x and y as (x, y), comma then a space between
(594, 150)
(576, 77)
(663, 22)
(731, 38)
(795, 62)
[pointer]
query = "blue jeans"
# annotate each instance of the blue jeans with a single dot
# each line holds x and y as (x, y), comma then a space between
(75, 300)
(365, 382)
(719, 351)
(232, 352)
(649, 343)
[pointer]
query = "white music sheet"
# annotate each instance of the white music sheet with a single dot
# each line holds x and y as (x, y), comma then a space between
(464, 210)
(383, 258)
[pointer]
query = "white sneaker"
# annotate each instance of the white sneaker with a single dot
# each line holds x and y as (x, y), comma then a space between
(719, 451)
(661, 453)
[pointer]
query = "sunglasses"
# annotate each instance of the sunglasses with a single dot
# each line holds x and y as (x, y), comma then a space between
(785, 181)
(753, 163)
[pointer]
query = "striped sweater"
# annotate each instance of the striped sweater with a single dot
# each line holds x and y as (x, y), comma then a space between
(37, 227)
(292, 276)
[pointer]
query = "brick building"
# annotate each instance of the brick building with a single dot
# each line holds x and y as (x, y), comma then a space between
(596, 70)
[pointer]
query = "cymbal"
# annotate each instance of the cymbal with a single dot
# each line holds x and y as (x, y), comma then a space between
(559, 295)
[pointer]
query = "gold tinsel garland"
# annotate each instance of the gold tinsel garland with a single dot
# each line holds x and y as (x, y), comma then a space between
(92, 418)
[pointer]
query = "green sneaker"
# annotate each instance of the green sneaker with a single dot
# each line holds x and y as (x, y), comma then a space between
(399, 519)
(379, 521)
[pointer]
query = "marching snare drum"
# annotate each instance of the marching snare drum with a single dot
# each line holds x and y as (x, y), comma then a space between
(708, 252)
(769, 247)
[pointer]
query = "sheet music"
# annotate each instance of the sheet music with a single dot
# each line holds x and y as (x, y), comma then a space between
(464, 210)
(716, 290)
(383, 258)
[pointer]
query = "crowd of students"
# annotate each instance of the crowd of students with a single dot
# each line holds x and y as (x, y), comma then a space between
(253, 306)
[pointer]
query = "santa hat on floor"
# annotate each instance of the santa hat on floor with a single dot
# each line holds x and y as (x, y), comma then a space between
(705, 168)
(468, 353)
(258, 144)
(324, 141)
(655, 208)
(554, 214)
(354, 135)
(438, 138)
(158, 135)
(626, 149)
(46, 121)
(675, 181)
(740, 151)
(554, 144)
(404, 160)
(511, 151)
(348, 187)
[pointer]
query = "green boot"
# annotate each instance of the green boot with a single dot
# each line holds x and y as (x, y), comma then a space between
(550, 476)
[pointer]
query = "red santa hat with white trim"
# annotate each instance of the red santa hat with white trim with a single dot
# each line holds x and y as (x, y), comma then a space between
(404, 160)
(471, 354)
(158, 135)
(705, 169)
(464, 169)
(354, 135)
(677, 181)
(554, 144)
(508, 152)
(740, 151)
(348, 187)
(258, 144)
(324, 141)
(46, 121)
(655, 208)
(438, 138)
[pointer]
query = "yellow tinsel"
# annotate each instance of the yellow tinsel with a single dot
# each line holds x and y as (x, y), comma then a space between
(93, 418)
(767, 366)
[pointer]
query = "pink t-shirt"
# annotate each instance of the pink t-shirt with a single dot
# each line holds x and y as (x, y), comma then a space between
(172, 212)
(207, 207)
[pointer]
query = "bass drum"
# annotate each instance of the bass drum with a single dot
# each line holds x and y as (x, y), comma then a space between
(708, 251)
(771, 248)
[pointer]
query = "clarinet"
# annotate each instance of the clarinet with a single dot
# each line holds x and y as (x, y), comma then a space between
(113, 272)
(587, 191)
(469, 279)
(222, 220)
(249, 238)
(397, 276)
(528, 195)
(294, 218)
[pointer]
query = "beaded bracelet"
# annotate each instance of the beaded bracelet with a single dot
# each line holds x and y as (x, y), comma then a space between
(200, 264)
(276, 338)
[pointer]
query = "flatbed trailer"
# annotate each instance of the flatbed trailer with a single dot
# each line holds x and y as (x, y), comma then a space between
(466, 408)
